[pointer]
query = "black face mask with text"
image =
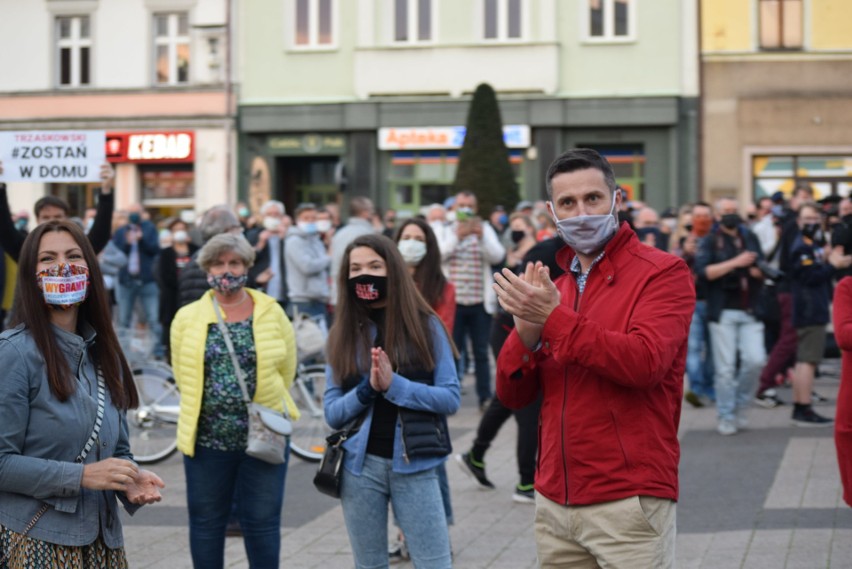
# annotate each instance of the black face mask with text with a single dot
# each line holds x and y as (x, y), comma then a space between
(368, 289)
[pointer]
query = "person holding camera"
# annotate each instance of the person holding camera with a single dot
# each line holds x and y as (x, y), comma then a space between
(138, 240)
(727, 263)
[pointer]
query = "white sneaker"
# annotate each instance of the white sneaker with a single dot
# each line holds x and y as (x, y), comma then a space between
(742, 419)
(726, 428)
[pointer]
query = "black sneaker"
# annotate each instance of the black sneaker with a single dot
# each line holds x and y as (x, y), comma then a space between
(524, 494)
(768, 399)
(472, 468)
(807, 417)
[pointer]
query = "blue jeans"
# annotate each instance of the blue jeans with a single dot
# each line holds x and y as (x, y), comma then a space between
(473, 321)
(212, 477)
(736, 332)
(699, 358)
(416, 502)
(148, 294)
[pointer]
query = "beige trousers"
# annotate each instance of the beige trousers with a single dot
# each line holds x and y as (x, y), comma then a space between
(634, 533)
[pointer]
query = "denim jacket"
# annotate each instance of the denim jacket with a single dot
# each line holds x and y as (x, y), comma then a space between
(441, 397)
(40, 438)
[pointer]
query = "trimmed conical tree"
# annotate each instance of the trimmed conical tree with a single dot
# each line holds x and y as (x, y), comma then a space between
(484, 167)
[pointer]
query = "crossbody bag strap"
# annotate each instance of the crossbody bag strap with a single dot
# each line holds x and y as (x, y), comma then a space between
(230, 346)
(93, 438)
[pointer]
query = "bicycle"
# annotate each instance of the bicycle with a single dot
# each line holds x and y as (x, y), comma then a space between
(309, 432)
(153, 425)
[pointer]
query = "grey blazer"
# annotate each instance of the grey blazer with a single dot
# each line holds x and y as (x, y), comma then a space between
(40, 437)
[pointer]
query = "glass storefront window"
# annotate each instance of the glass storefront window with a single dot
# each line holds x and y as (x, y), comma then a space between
(172, 181)
(422, 178)
(827, 175)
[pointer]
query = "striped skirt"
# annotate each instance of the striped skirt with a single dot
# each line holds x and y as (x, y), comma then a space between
(29, 553)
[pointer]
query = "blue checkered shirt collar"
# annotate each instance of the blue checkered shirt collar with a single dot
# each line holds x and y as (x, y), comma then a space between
(580, 276)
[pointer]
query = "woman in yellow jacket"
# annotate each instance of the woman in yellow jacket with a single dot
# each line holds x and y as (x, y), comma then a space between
(213, 422)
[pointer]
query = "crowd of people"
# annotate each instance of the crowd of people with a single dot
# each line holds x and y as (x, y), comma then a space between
(597, 310)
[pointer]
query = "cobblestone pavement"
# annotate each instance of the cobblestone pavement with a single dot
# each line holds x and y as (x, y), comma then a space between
(768, 497)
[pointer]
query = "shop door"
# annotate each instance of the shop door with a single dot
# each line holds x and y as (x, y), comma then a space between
(303, 179)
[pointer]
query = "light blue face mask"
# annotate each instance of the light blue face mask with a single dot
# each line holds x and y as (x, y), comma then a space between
(587, 234)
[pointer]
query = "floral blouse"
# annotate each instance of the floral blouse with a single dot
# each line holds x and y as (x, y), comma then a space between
(223, 423)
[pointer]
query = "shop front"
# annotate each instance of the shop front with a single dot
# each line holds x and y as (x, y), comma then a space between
(162, 165)
(421, 162)
(296, 168)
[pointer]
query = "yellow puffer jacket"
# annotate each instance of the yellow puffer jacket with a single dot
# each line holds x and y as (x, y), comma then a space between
(274, 343)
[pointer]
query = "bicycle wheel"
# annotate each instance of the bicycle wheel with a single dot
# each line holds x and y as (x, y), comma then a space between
(309, 432)
(153, 425)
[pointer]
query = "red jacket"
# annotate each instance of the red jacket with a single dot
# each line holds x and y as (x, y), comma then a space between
(843, 416)
(611, 369)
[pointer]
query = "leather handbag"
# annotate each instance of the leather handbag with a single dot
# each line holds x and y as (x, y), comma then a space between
(330, 470)
(269, 430)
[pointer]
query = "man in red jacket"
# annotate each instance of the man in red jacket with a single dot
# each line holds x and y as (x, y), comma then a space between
(606, 344)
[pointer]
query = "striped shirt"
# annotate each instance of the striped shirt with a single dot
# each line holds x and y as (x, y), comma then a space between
(466, 271)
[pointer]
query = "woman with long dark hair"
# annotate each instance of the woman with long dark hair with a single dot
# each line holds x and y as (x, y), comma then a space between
(65, 388)
(391, 373)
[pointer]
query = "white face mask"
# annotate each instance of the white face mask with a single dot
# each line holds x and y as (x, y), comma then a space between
(271, 223)
(412, 250)
(323, 225)
(180, 236)
(586, 234)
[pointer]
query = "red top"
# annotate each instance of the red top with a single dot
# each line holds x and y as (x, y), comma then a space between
(843, 418)
(446, 307)
(611, 369)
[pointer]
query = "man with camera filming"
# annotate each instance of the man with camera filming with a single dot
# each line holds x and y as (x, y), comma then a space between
(727, 261)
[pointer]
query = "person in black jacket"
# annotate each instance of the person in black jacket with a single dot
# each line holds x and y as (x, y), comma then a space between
(49, 208)
(726, 261)
(170, 264)
(812, 268)
(192, 283)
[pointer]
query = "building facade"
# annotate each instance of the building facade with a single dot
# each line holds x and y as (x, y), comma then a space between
(777, 97)
(152, 74)
(370, 97)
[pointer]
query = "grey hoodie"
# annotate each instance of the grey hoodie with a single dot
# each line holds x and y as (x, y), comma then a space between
(307, 266)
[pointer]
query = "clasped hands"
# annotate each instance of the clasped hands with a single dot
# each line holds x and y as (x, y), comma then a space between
(140, 486)
(381, 372)
(529, 297)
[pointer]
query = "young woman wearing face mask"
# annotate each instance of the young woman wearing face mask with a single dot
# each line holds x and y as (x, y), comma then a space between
(391, 372)
(64, 391)
(170, 263)
(522, 233)
(419, 248)
(213, 421)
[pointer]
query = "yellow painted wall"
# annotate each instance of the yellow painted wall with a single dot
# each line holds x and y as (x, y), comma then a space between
(831, 22)
(726, 25)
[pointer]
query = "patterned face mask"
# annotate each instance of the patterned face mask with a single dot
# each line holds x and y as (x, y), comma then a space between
(227, 283)
(64, 285)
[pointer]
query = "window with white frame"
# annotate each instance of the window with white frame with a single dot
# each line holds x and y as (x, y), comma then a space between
(73, 51)
(314, 23)
(503, 19)
(171, 48)
(781, 24)
(611, 19)
(412, 20)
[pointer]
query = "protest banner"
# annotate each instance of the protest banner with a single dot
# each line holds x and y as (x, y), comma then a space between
(52, 156)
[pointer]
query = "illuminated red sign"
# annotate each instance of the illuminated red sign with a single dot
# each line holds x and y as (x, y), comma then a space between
(159, 147)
